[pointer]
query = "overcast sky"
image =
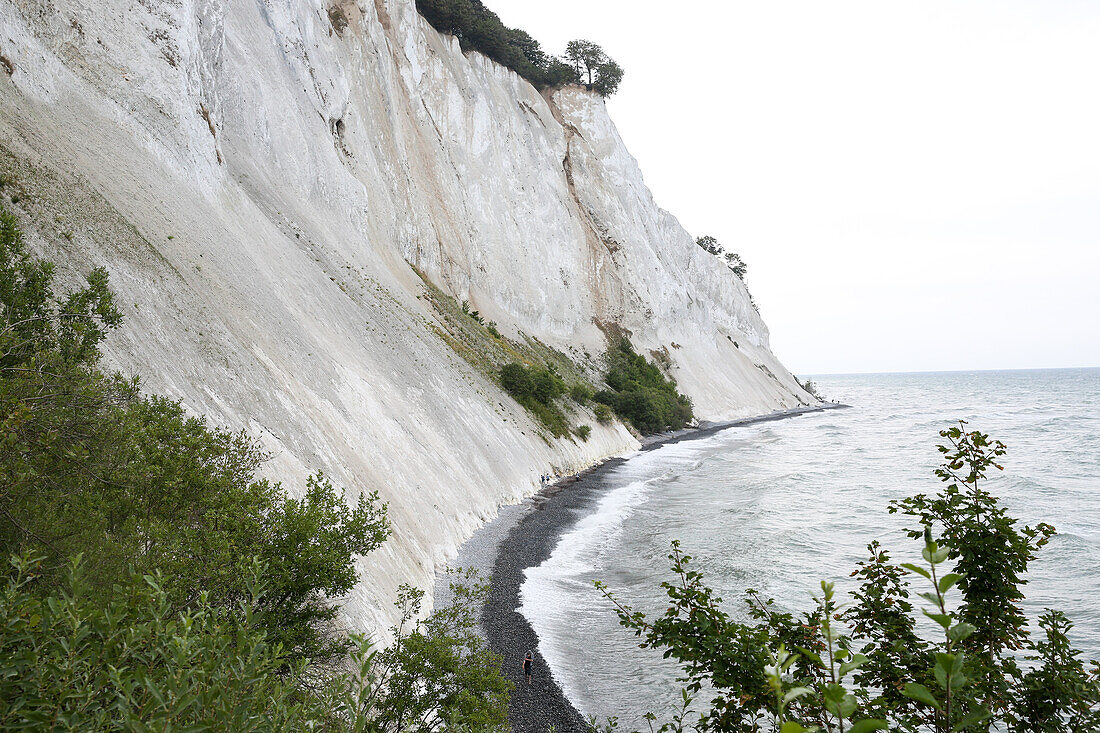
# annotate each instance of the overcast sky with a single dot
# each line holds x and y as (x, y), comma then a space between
(914, 185)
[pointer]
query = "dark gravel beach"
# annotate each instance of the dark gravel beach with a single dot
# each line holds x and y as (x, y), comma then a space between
(540, 706)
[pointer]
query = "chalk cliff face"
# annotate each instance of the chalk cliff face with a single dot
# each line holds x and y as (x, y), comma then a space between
(259, 175)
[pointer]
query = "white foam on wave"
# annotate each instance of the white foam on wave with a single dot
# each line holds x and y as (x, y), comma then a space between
(549, 594)
(555, 592)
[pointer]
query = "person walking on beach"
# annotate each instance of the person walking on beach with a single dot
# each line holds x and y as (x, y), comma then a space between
(527, 662)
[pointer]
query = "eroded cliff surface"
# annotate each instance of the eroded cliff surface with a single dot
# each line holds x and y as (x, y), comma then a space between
(260, 177)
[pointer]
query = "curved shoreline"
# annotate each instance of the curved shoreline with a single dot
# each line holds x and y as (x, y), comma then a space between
(533, 530)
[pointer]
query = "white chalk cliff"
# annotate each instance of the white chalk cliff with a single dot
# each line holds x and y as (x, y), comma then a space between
(258, 176)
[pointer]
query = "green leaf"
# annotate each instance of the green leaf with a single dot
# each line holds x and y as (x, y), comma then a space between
(809, 655)
(795, 693)
(868, 724)
(935, 554)
(833, 693)
(947, 581)
(920, 693)
(856, 662)
(972, 718)
(940, 670)
(942, 619)
(792, 727)
(960, 631)
(917, 569)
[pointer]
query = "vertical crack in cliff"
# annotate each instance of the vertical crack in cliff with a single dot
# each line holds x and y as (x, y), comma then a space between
(213, 131)
(383, 15)
(596, 229)
(567, 161)
(597, 236)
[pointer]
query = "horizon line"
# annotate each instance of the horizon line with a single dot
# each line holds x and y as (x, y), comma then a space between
(946, 371)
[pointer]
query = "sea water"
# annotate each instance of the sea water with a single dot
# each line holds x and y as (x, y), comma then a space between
(779, 506)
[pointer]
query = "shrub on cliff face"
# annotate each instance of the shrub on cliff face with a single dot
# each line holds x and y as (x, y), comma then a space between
(536, 388)
(733, 260)
(810, 387)
(594, 67)
(581, 393)
(640, 393)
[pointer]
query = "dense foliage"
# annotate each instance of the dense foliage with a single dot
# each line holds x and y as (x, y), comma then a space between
(71, 662)
(438, 674)
(537, 388)
(480, 29)
(91, 466)
(865, 666)
(640, 393)
(205, 594)
(594, 67)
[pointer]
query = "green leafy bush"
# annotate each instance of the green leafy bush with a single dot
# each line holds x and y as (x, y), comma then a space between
(90, 466)
(640, 393)
(583, 431)
(581, 393)
(599, 72)
(603, 413)
(439, 670)
(204, 598)
(136, 663)
(789, 673)
(537, 388)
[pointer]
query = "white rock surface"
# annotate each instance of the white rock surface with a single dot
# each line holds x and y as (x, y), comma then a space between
(257, 183)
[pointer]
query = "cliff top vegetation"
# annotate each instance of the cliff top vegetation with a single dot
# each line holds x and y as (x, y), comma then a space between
(479, 29)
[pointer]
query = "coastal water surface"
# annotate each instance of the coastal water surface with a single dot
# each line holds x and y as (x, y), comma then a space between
(780, 506)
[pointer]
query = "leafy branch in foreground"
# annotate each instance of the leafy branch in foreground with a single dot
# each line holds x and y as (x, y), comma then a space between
(966, 681)
(69, 663)
(951, 710)
(990, 553)
(156, 583)
(439, 674)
